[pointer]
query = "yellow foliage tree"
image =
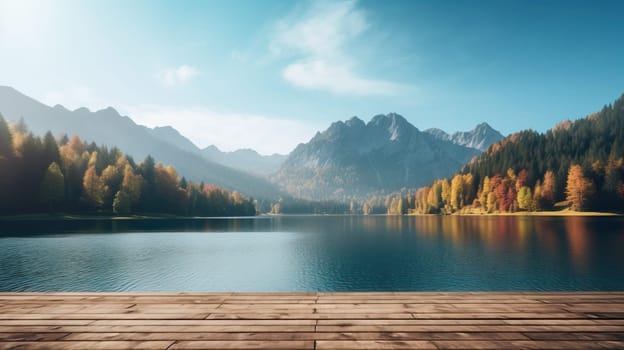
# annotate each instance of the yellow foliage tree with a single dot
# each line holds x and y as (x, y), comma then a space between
(94, 188)
(457, 191)
(131, 184)
(579, 188)
(525, 199)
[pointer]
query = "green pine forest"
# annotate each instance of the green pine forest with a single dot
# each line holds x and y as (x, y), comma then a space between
(71, 176)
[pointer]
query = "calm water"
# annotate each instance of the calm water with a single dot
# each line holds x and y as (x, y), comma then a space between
(328, 253)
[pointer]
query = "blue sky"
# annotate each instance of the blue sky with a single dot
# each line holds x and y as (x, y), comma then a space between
(269, 74)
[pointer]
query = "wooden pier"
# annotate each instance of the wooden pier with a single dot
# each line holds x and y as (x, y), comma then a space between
(486, 320)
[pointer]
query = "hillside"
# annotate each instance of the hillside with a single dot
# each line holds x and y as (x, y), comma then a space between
(577, 165)
(45, 175)
(108, 127)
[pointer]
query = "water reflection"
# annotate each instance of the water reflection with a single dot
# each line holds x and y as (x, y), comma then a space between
(555, 237)
(328, 253)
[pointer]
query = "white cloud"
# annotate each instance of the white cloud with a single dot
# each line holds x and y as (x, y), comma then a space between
(318, 39)
(335, 78)
(74, 96)
(177, 75)
(228, 131)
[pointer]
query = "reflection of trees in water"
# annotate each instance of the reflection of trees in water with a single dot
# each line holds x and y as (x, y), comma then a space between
(579, 244)
(394, 223)
(554, 237)
(458, 229)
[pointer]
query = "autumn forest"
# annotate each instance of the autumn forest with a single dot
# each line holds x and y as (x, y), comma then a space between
(577, 165)
(71, 176)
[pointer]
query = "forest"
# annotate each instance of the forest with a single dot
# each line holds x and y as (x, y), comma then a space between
(71, 176)
(577, 165)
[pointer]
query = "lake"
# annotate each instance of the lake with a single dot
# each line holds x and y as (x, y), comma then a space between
(314, 253)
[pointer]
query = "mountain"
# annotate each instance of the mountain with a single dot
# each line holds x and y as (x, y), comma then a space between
(246, 160)
(480, 138)
(108, 127)
(174, 138)
(353, 159)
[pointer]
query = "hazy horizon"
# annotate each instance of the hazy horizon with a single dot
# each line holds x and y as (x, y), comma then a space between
(269, 75)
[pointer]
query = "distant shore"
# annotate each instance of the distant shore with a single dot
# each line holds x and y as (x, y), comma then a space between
(533, 213)
(69, 217)
(550, 213)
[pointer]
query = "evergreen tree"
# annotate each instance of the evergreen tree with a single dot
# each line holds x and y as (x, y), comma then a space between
(50, 149)
(6, 140)
(121, 203)
(52, 189)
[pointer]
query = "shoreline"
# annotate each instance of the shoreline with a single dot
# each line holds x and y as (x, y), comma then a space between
(72, 217)
(550, 213)
(69, 217)
(556, 213)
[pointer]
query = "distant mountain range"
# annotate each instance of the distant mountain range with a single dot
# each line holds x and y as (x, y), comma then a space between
(353, 158)
(349, 159)
(481, 137)
(108, 127)
(246, 160)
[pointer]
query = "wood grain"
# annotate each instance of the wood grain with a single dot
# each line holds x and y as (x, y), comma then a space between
(168, 321)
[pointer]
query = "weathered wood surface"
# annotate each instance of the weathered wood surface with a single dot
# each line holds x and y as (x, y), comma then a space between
(580, 320)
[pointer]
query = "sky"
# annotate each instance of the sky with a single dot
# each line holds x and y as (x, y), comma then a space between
(269, 74)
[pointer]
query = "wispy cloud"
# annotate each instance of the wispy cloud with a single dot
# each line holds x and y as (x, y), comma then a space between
(318, 40)
(177, 75)
(326, 75)
(228, 131)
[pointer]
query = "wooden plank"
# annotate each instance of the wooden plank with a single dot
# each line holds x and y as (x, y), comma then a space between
(249, 315)
(143, 328)
(596, 307)
(468, 328)
(95, 345)
(308, 336)
(374, 344)
(128, 316)
(575, 336)
(31, 337)
(294, 322)
(45, 322)
(433, 301)
(424, 322)
(500, 315)
(192, 345)
(525, 320)
(235, 336)
(543, 345)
